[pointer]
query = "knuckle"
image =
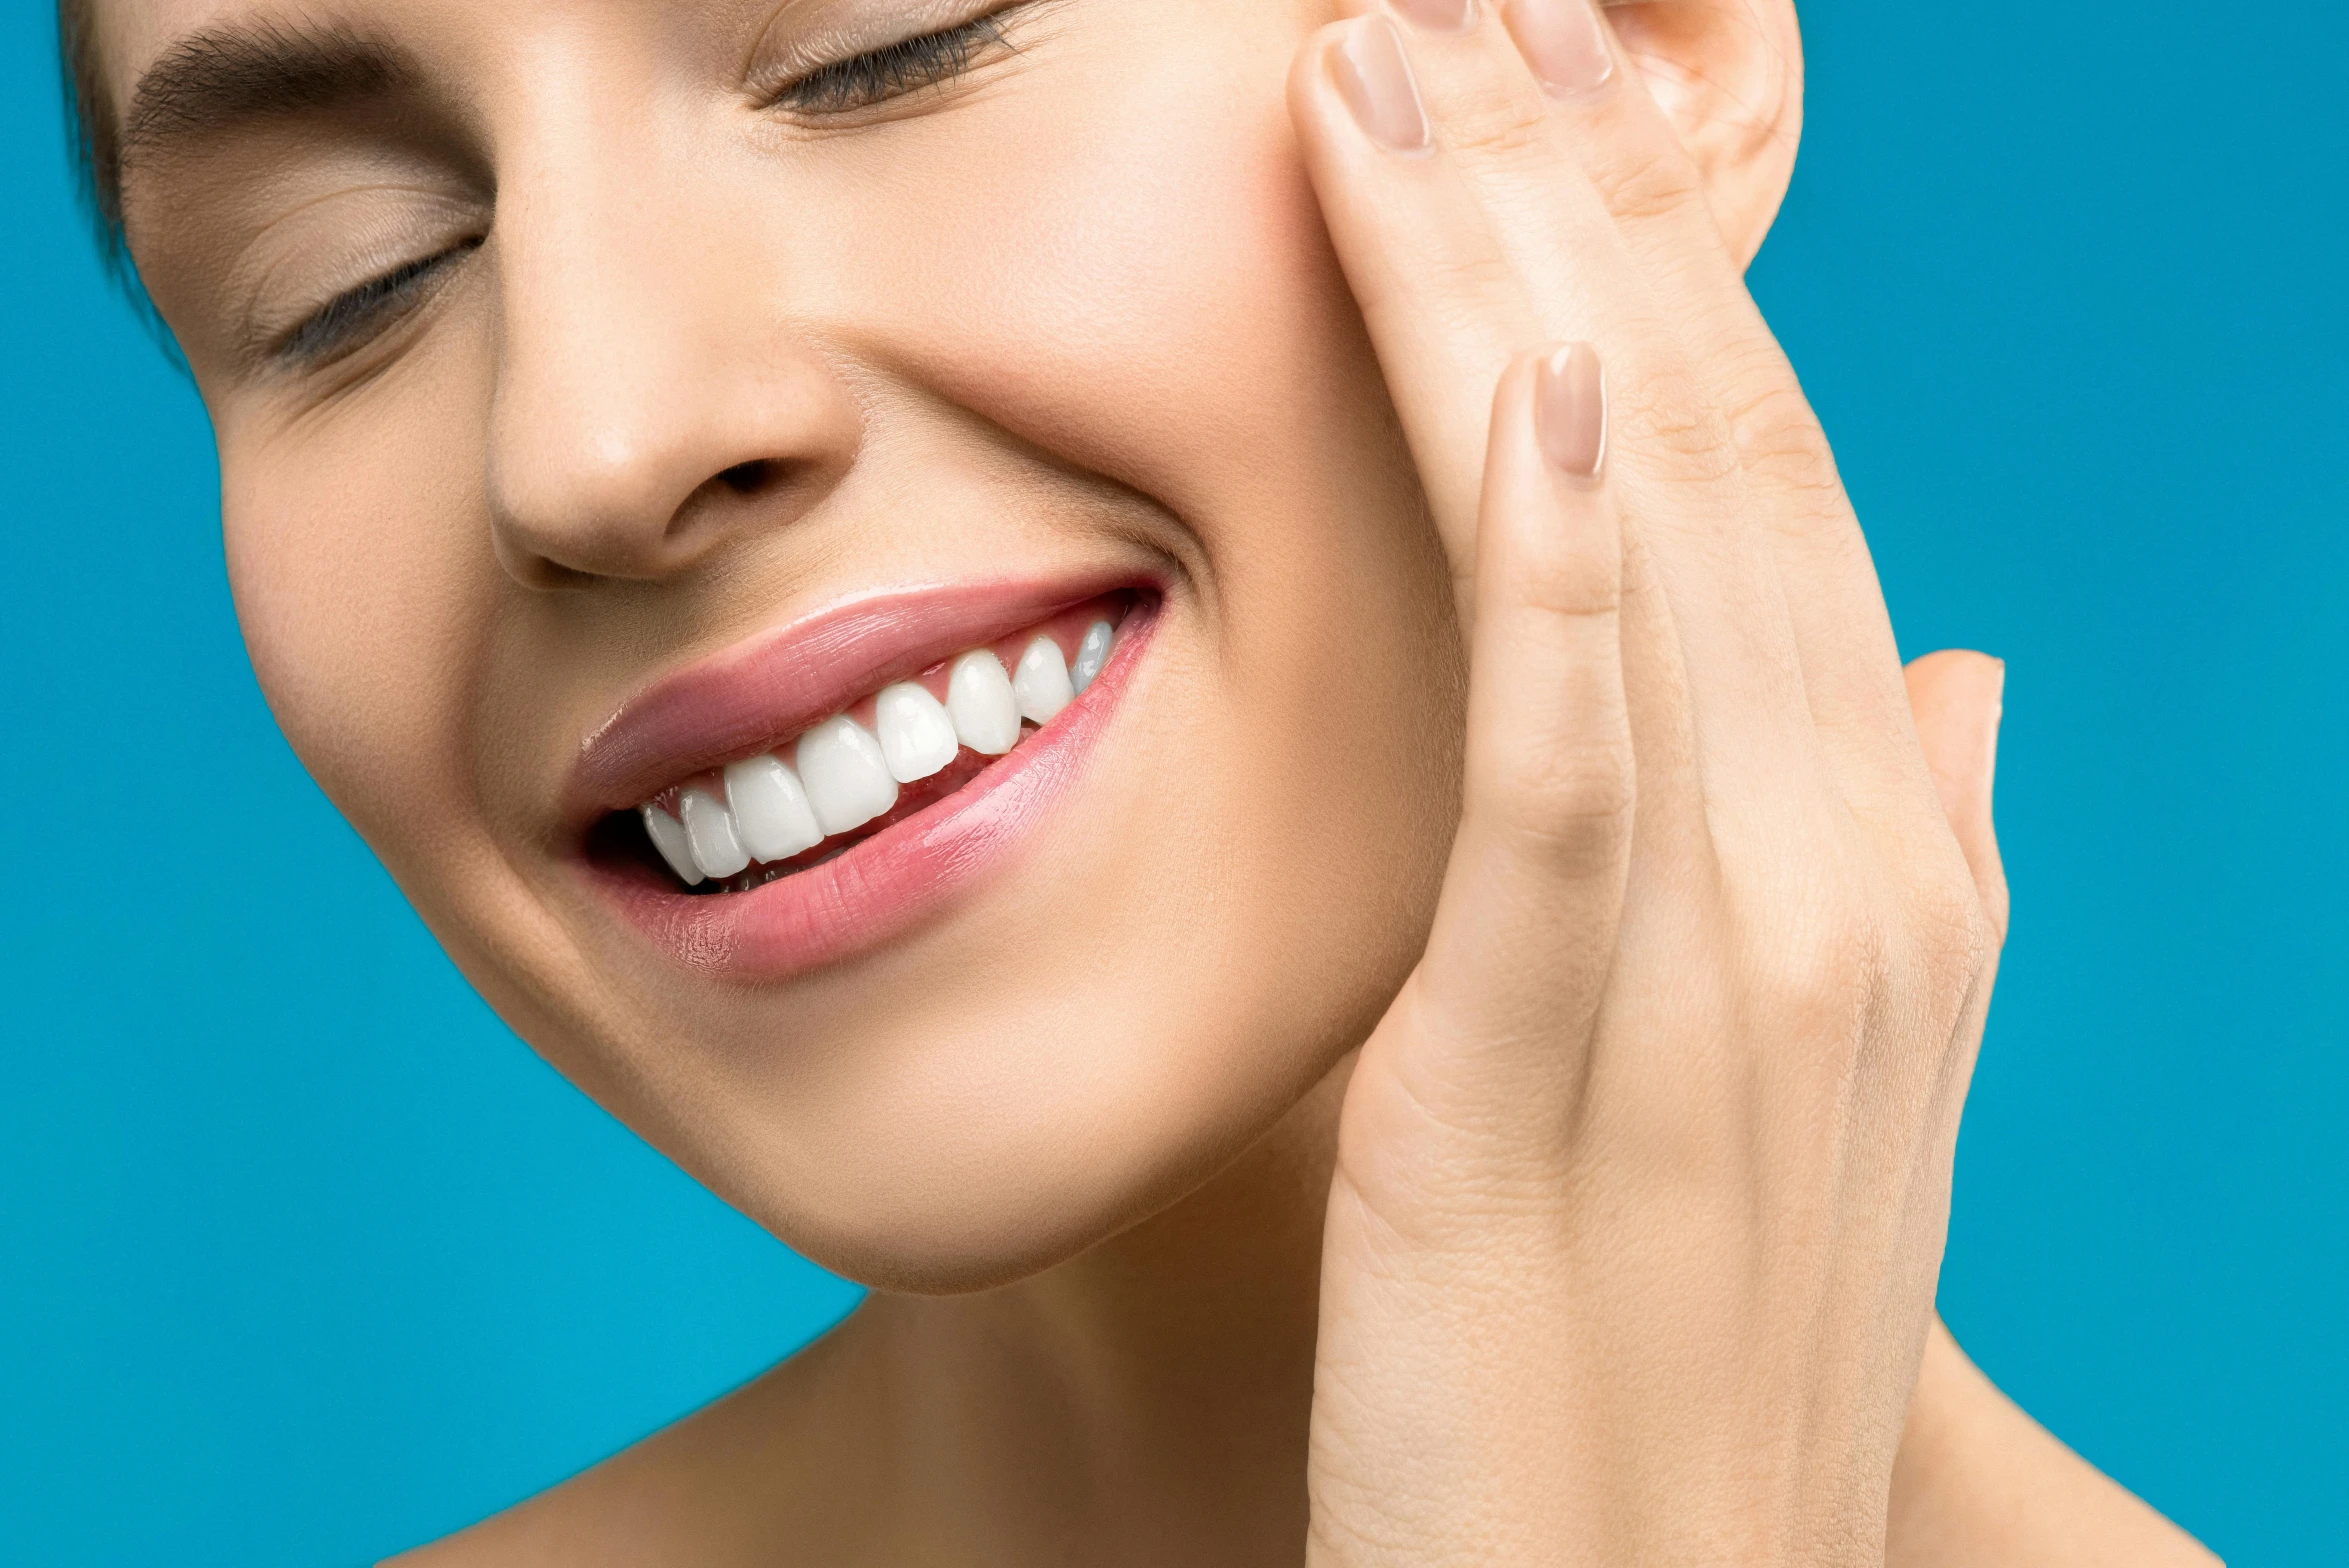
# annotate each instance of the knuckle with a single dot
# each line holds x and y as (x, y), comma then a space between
(1500, 128)
(1821, 974)
(1870, 980)
(1667, 419)
(1570, 810)
(1777, 433)
(1647, 184)
(1570, 584)
(1468, 279)
(1997, 911)
(1953, 937)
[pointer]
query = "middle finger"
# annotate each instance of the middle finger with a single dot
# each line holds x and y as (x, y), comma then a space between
(1469, 235)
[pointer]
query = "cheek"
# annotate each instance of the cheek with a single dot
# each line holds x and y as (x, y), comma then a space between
(1121, 261)
(359, 584)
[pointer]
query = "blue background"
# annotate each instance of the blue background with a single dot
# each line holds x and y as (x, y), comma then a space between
(307, 1258)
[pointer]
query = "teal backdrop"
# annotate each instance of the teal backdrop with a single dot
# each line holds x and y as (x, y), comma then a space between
(304, 1257)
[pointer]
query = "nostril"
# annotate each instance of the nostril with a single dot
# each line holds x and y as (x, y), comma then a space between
(747, 478)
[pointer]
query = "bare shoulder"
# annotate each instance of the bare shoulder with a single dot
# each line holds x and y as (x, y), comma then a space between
(785, 1457)
(1979, 1484)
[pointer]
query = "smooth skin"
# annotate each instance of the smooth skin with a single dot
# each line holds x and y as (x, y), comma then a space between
(1536, 1150)
(1642, 1183)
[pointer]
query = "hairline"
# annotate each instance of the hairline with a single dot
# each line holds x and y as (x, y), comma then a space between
(93, 135)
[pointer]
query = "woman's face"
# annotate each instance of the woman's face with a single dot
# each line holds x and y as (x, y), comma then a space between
(611, 392)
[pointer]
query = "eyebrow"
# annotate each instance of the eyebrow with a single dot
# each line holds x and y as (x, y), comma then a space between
(215, 80)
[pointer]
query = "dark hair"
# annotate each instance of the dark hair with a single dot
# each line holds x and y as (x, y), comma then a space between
(93, 140)
(91, 137)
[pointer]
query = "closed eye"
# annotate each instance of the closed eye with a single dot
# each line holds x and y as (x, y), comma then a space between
(894, 70)
(356, 314)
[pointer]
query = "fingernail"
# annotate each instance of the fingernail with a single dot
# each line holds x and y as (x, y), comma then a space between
(1564, 42)
(1371, 74)
(1440, 16)
(1570, 411)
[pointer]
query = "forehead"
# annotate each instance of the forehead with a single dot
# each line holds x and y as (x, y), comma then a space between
(171, 73)
(133, 35)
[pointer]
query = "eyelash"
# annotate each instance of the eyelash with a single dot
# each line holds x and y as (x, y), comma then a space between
(346, 318)
(907, 66)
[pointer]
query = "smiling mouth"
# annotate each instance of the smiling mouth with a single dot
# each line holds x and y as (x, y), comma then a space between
(896, 751)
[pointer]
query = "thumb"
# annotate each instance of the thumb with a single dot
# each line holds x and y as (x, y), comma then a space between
(1957, 699)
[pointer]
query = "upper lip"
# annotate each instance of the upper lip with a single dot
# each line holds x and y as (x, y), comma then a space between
(769, 687)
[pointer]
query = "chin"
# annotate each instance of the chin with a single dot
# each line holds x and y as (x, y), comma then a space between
(1033, 974)
(983, 1104)
(945, 1198)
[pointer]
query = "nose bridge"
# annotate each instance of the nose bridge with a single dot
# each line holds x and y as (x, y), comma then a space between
(646, 405)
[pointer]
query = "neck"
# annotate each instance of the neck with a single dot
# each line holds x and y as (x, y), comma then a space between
(1145, 1401)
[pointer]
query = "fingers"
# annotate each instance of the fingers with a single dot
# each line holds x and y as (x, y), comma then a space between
(1792, 499)
(1834, 603)
(1453, 280)
(1656, 194)
(1443, 303)
(1958, 699)
(1539, 868)
(1496, 176)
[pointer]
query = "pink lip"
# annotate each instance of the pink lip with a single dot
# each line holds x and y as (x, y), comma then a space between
(750, 697)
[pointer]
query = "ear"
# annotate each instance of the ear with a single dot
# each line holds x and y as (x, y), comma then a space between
(1730, 75)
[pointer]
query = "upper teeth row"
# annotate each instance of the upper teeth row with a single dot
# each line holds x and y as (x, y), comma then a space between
(843, 775)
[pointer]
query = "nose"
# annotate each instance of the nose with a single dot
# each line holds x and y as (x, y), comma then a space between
(654, 402)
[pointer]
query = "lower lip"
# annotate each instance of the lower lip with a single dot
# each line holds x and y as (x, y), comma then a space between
(910, 872)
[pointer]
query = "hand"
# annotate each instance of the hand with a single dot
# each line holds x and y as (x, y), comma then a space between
(1643, 1180)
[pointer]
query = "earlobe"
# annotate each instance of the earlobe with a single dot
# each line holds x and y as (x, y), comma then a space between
(1729, 73)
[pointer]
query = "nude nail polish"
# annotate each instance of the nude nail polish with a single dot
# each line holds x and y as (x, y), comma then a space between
(1570, 411)
(1370, 73)
(1565, 43)
(1440, 16)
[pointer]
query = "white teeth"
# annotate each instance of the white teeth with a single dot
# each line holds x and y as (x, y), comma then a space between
(846, 776)
(1042, 682)
(668, 836)
(709, 828)
(1092, 653)
(917, 737)
(979, 699)
(771, 812)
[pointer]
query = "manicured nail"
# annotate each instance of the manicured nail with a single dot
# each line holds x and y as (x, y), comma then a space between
(1371, 74)
(1564, 42)
(1570, 411)
(1440, 16)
